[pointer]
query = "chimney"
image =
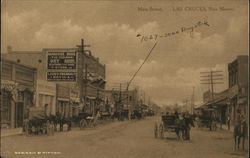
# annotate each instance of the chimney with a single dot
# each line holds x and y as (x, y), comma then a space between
(9, 49)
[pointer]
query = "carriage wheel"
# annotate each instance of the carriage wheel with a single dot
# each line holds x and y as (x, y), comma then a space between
(161, 131)
(83, 124)
(156, 130)
(93, 123)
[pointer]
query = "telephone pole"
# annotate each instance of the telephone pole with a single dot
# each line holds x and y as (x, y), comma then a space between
(81, 67)
(192, 102)
(211, 78)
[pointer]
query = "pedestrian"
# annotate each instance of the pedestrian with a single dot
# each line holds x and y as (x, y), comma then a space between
(26, 126)
(238, 117)
(48, 130)
(228, 121)
(176, 115)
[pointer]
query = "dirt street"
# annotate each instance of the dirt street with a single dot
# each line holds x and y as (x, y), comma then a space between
(128, 139)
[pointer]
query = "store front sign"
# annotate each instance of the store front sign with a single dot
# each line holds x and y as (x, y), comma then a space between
(61, 76)
(61, 65)
(62, 60)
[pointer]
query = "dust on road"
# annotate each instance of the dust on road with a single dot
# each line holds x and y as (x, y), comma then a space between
(128, 139)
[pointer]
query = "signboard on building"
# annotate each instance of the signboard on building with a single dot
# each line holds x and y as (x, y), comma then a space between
(61, 60)
(61, 76)
(61, 65)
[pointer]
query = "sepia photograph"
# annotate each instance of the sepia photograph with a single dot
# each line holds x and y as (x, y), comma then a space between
(124, 79)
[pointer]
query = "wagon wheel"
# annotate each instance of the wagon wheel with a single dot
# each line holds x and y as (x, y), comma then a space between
(94, 123)
(83, 124)
(161, 130)
(156, 130)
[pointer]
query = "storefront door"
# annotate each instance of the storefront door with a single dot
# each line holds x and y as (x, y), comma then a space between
(223, 114)
(19, 114)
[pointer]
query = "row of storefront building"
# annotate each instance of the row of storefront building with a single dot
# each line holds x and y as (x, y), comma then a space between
(25, 88)
(233, 99)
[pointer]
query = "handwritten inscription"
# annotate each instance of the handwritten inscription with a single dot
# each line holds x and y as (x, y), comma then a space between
(187, 29)
(201, 8)
(149, 9)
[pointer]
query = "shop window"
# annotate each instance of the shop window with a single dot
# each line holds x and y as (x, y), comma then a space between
(20, 96)
(5, 106)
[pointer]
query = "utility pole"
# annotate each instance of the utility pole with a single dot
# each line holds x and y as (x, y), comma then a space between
(86, 81)
(127, 94)
(80, 69)
(192, 102)
(120, 94)
(211, 78)
(144, 99)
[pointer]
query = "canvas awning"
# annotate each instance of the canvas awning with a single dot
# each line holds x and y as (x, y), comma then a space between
(91, 98)
(62, 99)
(8, 85)
(74, 99)
(242, 100)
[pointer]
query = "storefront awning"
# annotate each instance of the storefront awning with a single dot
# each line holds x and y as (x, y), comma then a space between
(8, 85)
(73, 99)
(91, 98)
(242, 100)
(62, 99)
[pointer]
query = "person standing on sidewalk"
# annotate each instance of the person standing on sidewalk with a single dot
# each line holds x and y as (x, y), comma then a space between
(228, 121)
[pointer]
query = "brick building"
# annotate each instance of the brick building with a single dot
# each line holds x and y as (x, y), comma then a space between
(238, 87)
(129, 99)
(85, 90)
(18, 85)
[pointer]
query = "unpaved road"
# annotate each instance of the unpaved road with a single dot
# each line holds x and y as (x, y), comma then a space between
(128, 139)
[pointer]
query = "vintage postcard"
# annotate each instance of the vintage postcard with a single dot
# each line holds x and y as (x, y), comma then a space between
(124, 79)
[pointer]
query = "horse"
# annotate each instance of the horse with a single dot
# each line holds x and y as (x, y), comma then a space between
(240, 132)
(183, 128)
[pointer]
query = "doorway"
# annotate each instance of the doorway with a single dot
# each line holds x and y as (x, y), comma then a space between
(19, 114)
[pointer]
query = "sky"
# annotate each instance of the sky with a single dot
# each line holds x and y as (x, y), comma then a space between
(111, 28)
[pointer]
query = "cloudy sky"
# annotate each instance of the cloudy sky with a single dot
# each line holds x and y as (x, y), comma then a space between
(111, 27)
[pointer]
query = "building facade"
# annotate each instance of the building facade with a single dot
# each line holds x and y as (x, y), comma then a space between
(238, 87)
(129, 100)
(46, 96)
(63, 100)
(18, 84)
(90, 83)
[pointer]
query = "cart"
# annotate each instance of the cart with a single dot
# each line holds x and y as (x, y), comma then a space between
(87, 120)
(169, 123)
(38, 123)
(207, 119)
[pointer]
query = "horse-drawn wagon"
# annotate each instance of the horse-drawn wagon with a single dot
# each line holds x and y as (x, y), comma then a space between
(87, 120)
(207, 119)
(172, 123)
(168, 123)
(37, 122)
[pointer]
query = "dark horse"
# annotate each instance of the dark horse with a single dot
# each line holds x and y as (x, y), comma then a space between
(183, 126)
(240, 132)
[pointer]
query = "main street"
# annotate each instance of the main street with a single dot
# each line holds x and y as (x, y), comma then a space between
(127, 139)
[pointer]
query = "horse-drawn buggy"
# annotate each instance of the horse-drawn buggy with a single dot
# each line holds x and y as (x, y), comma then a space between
(207, 119)
(87, 120)
(137, 114)
(168, 123)
(172, 123)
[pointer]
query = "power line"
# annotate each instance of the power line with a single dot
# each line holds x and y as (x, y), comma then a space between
(141, 65)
